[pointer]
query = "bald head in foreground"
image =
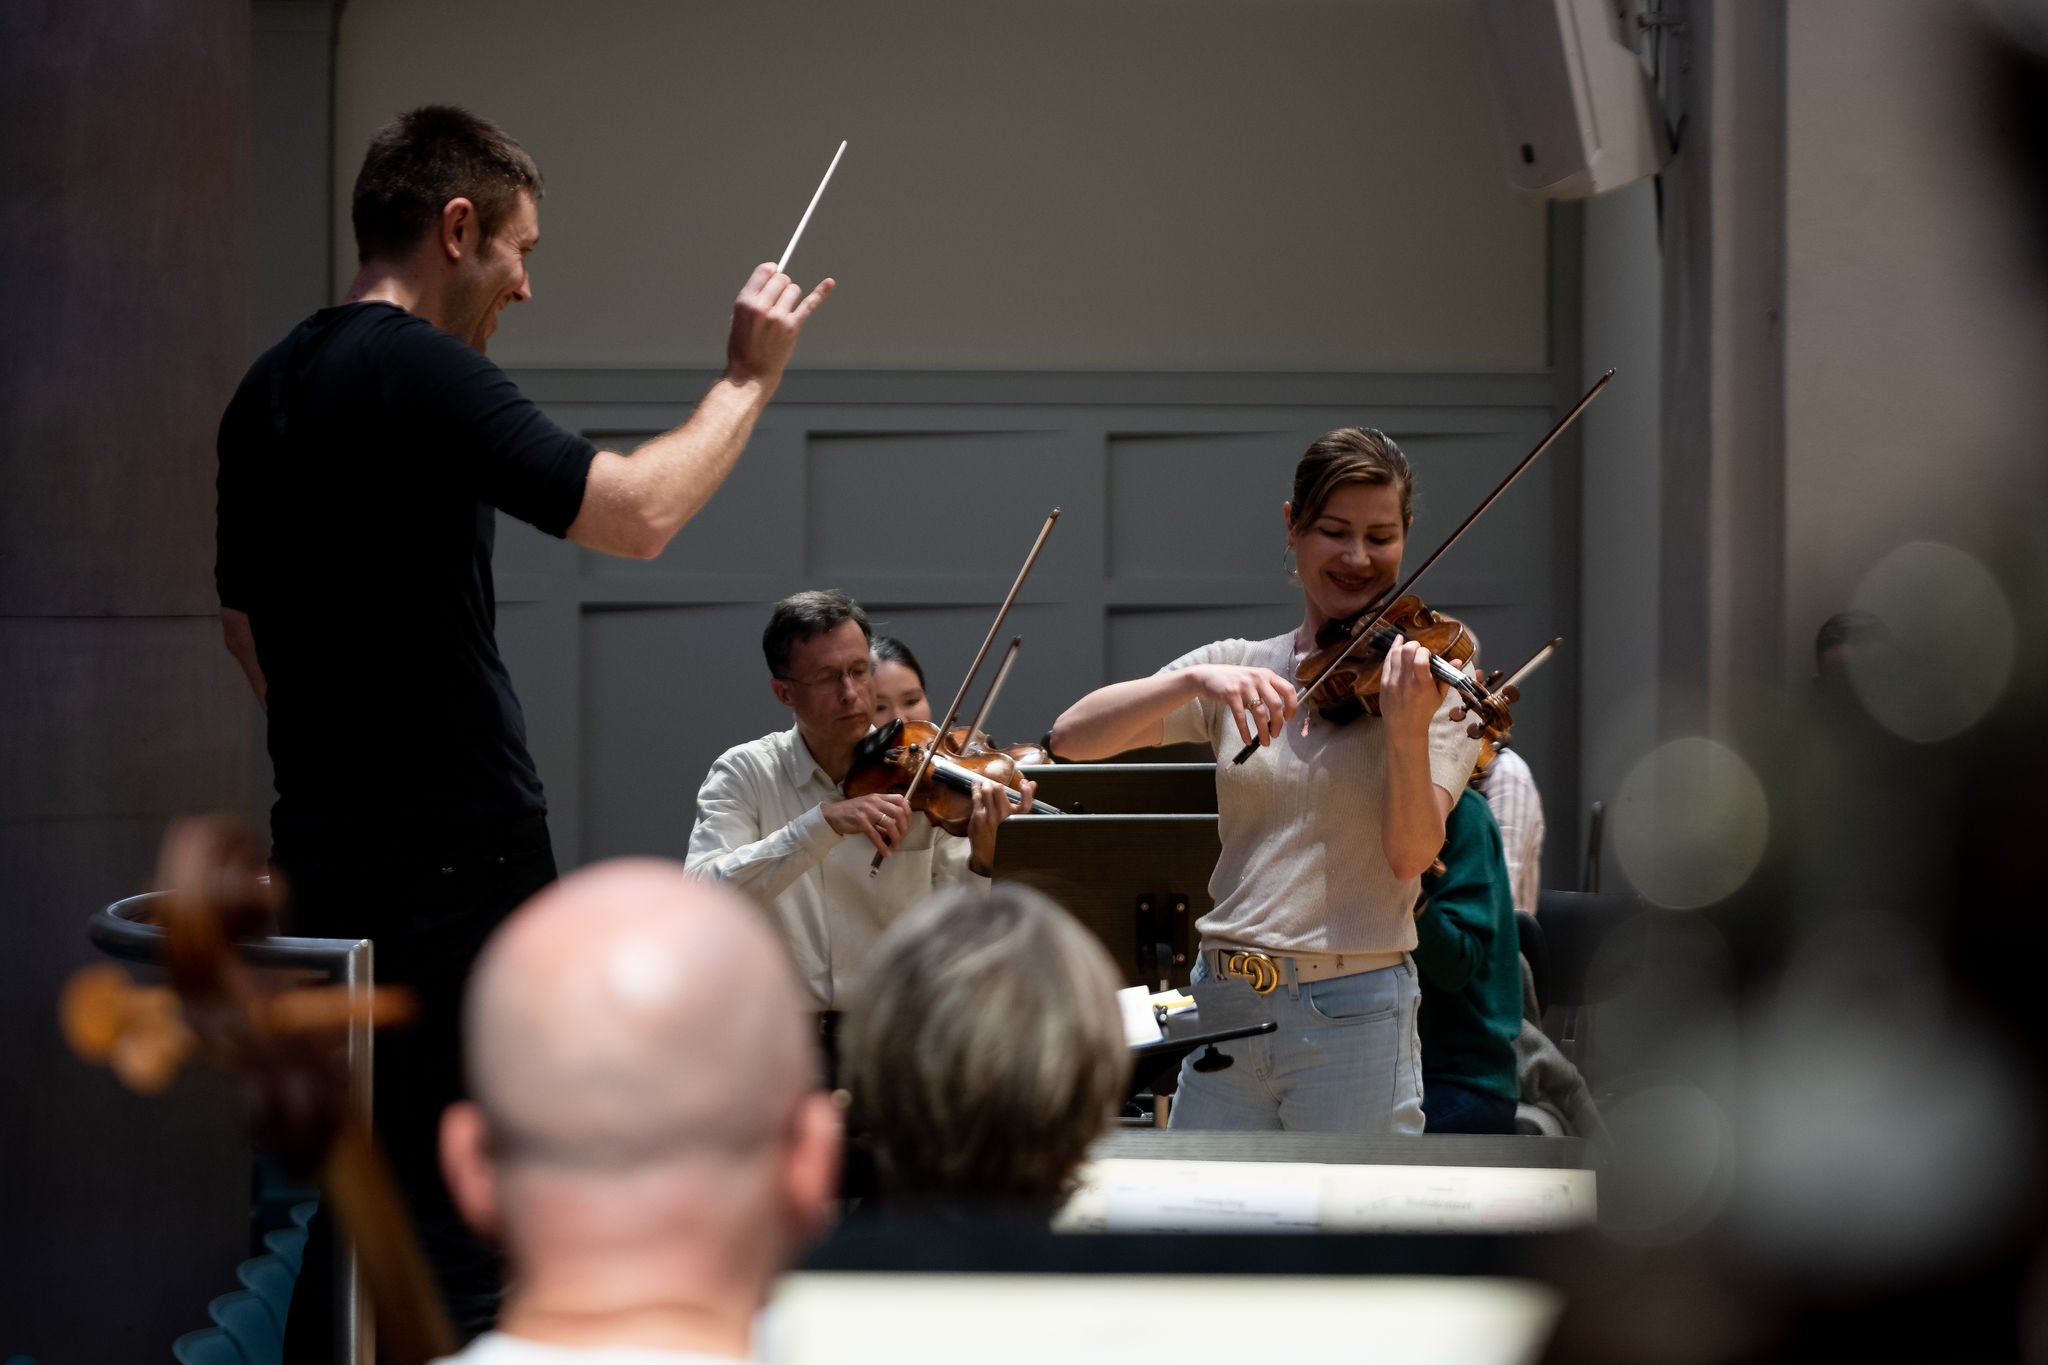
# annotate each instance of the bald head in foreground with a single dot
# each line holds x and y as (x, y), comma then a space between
(647, 1136)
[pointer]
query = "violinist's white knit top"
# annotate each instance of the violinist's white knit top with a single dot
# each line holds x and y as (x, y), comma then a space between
(1303, 868)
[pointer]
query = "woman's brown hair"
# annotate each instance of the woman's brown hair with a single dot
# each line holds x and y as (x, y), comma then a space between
(1345, 456)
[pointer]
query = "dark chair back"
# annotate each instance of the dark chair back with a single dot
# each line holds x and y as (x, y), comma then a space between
(1575, 926)
(1536, 951)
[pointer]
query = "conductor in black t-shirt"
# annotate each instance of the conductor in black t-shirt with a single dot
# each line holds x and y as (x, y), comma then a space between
(363, 462)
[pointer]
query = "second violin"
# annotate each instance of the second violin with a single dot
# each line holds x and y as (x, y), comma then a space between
(890, 759)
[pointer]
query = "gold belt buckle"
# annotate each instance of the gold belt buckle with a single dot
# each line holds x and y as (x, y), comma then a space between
(1257, 968)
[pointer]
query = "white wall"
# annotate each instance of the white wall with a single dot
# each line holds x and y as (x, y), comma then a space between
(1146, 184)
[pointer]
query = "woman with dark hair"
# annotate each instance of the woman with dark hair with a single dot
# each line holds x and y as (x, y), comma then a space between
(899, 683)
(1326, 831)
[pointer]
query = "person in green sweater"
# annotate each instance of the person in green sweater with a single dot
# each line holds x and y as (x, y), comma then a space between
(1468, 952)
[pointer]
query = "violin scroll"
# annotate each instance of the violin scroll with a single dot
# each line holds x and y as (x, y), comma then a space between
(138, 1032)
(285, 1042)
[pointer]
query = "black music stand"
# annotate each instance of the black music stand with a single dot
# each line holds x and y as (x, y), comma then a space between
(1127, 788)
(1154, 1063)
(1138, 882)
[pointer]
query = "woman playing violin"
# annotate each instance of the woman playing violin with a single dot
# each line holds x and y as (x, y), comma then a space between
(1326, 831)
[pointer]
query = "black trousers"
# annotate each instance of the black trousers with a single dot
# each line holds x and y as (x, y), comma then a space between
(428, 919)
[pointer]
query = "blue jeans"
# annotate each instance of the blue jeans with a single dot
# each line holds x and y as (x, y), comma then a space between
(1345, 1058)
(1454, 1108)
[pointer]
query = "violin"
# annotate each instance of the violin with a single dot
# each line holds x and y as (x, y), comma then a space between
(284, 1042)
(925, 757)
(890, 759)
(1495, 738)
(1027, 755)
(1489, 748)
(1020, 754)
(1353, 685)
(1352, 665)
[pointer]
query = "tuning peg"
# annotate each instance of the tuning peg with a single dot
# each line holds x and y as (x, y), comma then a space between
(320, 1009)
(138, 1032)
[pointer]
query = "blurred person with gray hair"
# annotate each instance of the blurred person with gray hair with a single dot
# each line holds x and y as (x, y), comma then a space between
(984, 1053)
(647, 1136)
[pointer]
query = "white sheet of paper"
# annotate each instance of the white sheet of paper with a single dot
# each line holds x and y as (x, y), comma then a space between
(1127, 1194)
(1212, 1197)
(1140, 1024)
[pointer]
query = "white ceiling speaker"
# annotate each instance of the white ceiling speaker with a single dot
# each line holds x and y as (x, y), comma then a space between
(1578, 113)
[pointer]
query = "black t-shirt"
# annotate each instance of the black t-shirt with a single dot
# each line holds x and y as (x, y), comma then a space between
(360, 465)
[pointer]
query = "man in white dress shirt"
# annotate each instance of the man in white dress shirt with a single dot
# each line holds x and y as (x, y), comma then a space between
(648, 1137)
(772, 822)
(1510, 789)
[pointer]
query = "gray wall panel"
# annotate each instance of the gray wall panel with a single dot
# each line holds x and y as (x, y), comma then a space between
(1183, 499)
(751, 524)
(1142, 641)
(521, 550)
(665, 691)
(864, 492)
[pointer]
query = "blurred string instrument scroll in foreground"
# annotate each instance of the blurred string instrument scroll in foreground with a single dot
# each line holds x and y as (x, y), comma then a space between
(284, 1041)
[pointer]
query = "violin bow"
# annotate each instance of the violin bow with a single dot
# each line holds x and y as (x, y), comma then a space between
(1364, 630)
(1536, 661)
(946, 725)
(989, 701)
(1498, 696)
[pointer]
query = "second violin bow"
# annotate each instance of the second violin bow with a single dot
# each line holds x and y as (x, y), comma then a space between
(995, 628)
(989, 701)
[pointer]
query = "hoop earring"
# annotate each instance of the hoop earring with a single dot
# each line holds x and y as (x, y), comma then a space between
(1288, 565)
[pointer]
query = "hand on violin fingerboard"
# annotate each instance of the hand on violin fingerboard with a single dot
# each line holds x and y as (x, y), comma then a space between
(991, 807)
(766, 318)
(1409, 692)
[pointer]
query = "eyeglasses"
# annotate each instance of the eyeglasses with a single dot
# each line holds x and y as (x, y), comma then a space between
(857, 674)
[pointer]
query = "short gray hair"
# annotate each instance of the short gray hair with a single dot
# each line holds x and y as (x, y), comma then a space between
(804, 616)
(985, 1051)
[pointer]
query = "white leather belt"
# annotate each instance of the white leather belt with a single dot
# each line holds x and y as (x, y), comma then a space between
(1267, 970)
